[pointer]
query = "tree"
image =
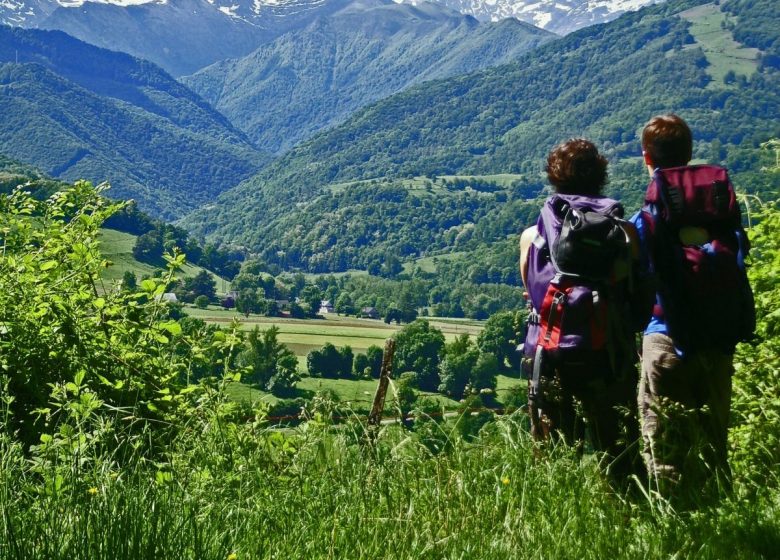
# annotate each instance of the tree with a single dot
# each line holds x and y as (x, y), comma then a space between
(346, 358)
(312, 299)
(460, 357)
(248, 302)
(344, 304)
(129, 280)
(499, 338)
(374, 356)
(326, 362)
(360, 365)
(483, 375)
(272, 365)
(202, 284)
(418, 349)
(404, 394)
(296, 311)
(393, 314)
(201, 302)
(148, 247)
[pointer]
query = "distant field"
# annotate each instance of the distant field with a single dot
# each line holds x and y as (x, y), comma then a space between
(722, 51)
(428, 264)
(429, 184)
(502, 179)
(304, 335)
(117, 247)
(358, 393)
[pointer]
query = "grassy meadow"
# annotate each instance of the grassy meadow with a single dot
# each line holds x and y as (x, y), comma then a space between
(723, 53)
(317, 493)
(117, 248)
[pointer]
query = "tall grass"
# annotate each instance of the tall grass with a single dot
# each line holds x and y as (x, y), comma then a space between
(319, 492)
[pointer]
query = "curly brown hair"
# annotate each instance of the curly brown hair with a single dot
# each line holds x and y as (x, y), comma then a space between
(576, 167)
(668, 141)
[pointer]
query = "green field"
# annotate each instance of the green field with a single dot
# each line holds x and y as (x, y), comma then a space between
(117, 247)
(304, 335)
(428, 264)
(356, 395)
(723, 53)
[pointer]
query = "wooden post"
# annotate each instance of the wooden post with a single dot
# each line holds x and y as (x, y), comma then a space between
(375, 417)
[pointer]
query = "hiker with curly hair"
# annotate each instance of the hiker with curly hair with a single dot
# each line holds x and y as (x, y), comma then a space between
(582, 276)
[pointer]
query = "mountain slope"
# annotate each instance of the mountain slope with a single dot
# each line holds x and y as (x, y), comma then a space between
(181, 36)
(602, 82)
(77, 111)
(312, 78)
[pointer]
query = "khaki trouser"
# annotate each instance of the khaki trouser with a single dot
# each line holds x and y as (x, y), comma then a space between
(684, 405)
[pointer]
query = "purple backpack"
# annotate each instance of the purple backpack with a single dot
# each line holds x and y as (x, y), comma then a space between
(579, 265)
(704, 295)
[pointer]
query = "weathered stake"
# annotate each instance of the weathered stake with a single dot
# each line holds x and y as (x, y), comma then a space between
(375, 417)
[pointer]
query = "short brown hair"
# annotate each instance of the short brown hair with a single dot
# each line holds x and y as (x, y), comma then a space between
(667, 141)
(576, 167)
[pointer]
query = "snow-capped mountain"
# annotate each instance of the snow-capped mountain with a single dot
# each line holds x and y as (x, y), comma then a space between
(30, 13)
(182, 36)
(558, 16)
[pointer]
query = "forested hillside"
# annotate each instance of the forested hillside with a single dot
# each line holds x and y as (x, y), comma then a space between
(312, 78)
(602, 82)
(76, 111)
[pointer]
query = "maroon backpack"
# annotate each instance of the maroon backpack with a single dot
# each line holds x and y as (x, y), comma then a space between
(703, 290)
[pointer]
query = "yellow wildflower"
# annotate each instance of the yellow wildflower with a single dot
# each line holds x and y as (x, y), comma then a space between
(505, 480)
(232, 556)
(92, 491)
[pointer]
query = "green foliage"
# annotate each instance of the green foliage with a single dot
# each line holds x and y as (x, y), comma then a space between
(129, 280)
(457, 365)
(330, 362)
(499, 337)
(85, 371)
(484, 374)
(272, 366)
(602, 82)
(473, 416)
(429, 425)
(404, 394)
(393, 48)
(418, 349)
(755, 437)
(374, 357)
(202, 302)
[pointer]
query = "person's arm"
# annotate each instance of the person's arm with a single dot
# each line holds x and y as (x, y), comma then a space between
(526, 239)
(644, 282)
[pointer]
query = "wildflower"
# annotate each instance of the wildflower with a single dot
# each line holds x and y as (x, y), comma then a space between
(92, 491)
(232, 556)
(505, 480)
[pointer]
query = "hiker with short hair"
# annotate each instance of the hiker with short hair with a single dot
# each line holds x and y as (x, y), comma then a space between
(691, 235)
(580, 269)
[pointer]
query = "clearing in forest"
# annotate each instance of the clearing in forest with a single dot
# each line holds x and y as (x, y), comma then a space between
(723, 53)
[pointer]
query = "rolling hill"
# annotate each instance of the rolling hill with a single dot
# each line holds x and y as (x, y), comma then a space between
(77, 111)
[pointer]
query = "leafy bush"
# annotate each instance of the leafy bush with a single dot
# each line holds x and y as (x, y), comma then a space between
(88, 368)
(755, 438)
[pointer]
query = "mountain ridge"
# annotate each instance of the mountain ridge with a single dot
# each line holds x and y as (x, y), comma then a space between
(113, 117)
(313, 78)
